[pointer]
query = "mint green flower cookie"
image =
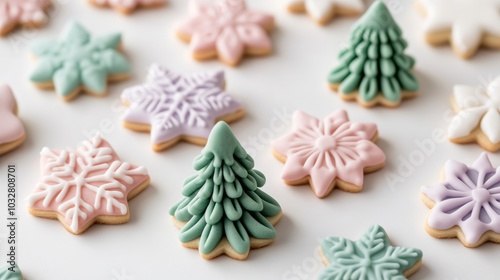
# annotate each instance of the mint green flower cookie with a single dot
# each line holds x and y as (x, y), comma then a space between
(224, 210)
(370, 258)
(374, 68)
(78, 62)
(10, 273)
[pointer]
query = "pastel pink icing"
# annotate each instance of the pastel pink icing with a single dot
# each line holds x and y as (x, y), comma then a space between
(22, 11)
(327, 150)
(227, 27)
(127, 4)
(176, 105)
(12, 127)
(469, 198)
(84, 184)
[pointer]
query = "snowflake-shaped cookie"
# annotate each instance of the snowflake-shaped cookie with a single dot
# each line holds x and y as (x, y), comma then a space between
(178, 107)
(12, 132)
(370, 258)
(465, 24)
(328, 153)
(322, 11)
(226, 29)
(127, 6)
(79, 62)
(25, 13)
(8, 272)
(467, 204)
(478, 115)
(86, 186)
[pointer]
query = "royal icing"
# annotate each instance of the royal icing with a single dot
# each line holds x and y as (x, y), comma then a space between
(328, 150)
(85, 184)
(375, 63)
(468, 21)
(127, 5)
(224, 200)
(179, 105)
(478, 107)
(12, 127)
(469, 198)
(22, 12)
(78, 59)
(320, 10)
(10, 273)
(226, 28)
(370, 258)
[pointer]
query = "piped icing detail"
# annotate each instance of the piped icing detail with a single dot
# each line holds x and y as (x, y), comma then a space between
(82, 185)
(323, 11)
(477, 108)
(328, 150)
(28, 13)
(12, 127)
(10, 273)
(224, 201)
(369, 258)
(127, 6)
(468, 22)
(227, 29)
(179, 105)
(468, 198)
(77, 61)
(375, 65)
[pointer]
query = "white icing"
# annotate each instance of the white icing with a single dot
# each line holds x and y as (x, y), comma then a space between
(479, 107)
(319, 9)
(468, 20)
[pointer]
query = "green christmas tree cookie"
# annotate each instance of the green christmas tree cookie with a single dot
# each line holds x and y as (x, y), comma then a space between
(374, 69)
(10, 273)
(224, 211)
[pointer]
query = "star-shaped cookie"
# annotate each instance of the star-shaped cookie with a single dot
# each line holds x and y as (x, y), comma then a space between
(226, 29)
(12, 132)
(23, 13)
(465, 24)
(178, 107)
(79, 62)
(127, 6)
(369, 258)
(86, 186)
(323, 11)
(326, 154)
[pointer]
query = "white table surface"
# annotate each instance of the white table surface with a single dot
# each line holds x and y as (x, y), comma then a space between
(293, 77)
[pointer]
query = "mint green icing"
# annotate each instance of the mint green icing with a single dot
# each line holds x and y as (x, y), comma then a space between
(224, 199)
(7, 274)
(370, 258)
(375, 62)
(78, 58)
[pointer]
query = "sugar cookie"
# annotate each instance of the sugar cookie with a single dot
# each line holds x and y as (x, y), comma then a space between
(323, 11)
(127, 6)
(12, 133)
(22, 13)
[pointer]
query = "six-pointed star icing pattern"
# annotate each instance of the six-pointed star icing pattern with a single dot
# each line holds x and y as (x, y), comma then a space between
(178, 107)
(25, 13)
(127, 6)
(322, 11)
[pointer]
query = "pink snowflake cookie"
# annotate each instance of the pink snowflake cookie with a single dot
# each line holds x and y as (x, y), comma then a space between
(467, 204)
(25, 13)
(127, 6)
(176, 107)
(331, 153)
(12, 132)
(227, 30)
(86, 186)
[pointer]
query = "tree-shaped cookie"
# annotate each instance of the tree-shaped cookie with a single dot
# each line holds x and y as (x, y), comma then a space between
(224, 211)
(374, 68)
(8, 272)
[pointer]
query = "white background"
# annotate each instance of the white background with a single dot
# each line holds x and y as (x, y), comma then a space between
(293, 77)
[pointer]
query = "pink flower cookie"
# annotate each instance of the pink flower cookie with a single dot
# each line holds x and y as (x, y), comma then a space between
(25, 13)
(86, 186)
(176, 107)
(127, 6)
(226, 29)
(467, 204)
(12, 132)
(330, 153)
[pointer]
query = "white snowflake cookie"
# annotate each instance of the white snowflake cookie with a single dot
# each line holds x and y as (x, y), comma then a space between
(323, 11)
(478, 117)
(465, 24)
(89, 185)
